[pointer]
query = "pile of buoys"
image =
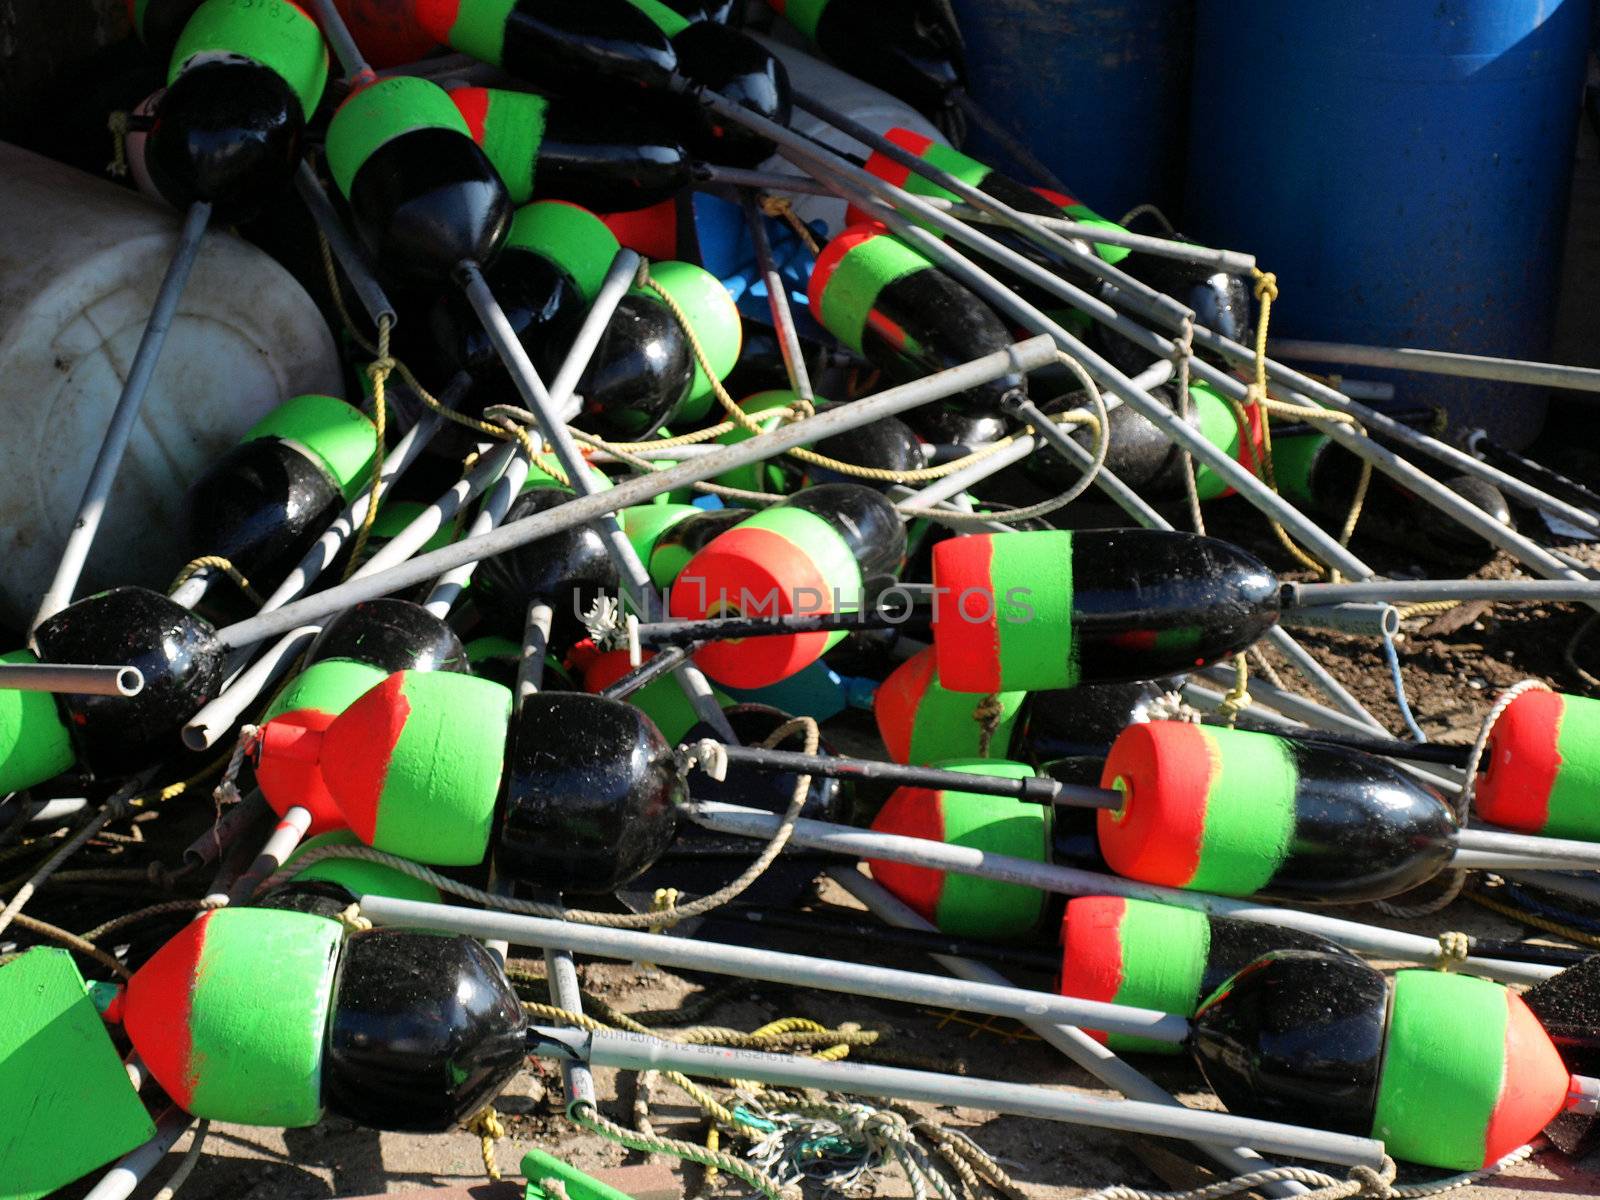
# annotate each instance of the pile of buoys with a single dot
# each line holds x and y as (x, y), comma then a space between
(540, 622)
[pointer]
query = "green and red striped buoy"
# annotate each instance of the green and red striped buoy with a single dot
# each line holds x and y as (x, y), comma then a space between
(1036, 201)
(965, 904)
(1240, 813)
(35, 744)
(311, 701)
(1055, 608)
(920, 720)
(1543, 767)
(413, 765)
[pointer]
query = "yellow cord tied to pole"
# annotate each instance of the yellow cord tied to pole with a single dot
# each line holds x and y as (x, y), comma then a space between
(490, 1129)
(216, 562)
(1238, 698)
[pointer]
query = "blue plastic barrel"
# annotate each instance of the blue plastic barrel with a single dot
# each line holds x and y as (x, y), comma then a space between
(1097, 89)
(1402, 166)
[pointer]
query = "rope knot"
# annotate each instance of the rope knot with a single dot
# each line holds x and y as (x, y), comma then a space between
(1375, 1181)
(490, 1129)
(987, 714)
(227, 790)
(709, 755)
(352, 920)
(117, 123)
(1266, 285)
(1454, 946)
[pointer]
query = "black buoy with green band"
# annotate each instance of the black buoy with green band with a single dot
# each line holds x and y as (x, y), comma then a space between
(280, 36)
(1054, 608)
(34, 742)
(1447, 1070)
(1240, 813)
(264, 504)
(159, 22)
(243, 80)
(965, 904)
(1159, 956)
(716, 323)
(566, 150)
(677, 544)
(890, 304)
(986, 179)
(424, 196)
(645, 524)
(768, 410)
(920, 721)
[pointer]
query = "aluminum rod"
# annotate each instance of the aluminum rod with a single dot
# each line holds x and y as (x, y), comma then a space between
(1366, 620)
(130, 1170)
(1070, 881)
(286, 835)
(631, 571)
(641, 1052)
(448, 587)
(1413, 591)
(773, 966)
(985, 285)
(1493, 860)
(1440, 362)
(97, 490)
(71, 679)
(619, 278)
(794, 359)
(1087, 1052)
(350, 257)
(1021, 357)
(356, 68)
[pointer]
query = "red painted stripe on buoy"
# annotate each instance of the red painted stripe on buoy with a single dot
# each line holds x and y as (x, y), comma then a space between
(370, 728)
(158, 1009)
(437, 17)
(1534, 1084)
(968, 650)
(896, 702)
(1059, 199)
(911, 812)
(652, 232)
(1091, 950)
(1165, 769)
(287, 781)
(832, 254)
(1524, 759)
(473, 103)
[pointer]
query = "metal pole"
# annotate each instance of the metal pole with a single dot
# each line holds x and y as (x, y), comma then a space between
(217, 717)
(619, 278)
(633, 574)
(1069, 881)
(448, 587)
(97, 491)
(130, 1170)
(356, 68)
(641, 1052)
(1441, 362)
(794, 359)
(1365, 620)
(286, 835)
(74, 680)
(1413, 591)
(365, 285)
(1019, 358)
(1087, 1052)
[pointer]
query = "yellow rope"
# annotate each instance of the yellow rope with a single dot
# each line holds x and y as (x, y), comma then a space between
(378, 372)
(1533, 920)
(216, 562)
(489, 1128)
(1426, 608)
(780, 206)
(117, 123)
(1238, 697)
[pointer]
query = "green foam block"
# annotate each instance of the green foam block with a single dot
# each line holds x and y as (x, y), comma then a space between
(34, 743)
(66, 1106)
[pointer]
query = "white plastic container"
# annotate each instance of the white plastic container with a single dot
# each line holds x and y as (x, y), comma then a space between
(80, 262)
(872, 107)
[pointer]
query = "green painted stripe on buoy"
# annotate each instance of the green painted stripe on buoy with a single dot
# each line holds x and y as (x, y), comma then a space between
(802, 14)
(864, 270)
(437, 800)
(826, 547)
(262, 994)
(573, 238)
(1443, 1064)
(377, 115)
(330, 687)
(1250, 815)
(479, 30)
(663, 18)
(947, 723)
(763, 476)
(513, 130)
(975, 907)
(716, 323)
(342, 438)
(1292, 461)
(1220, 427)
(358, 876)
(279, 36)
(1574, 808)
(34, 742)
(1031, 594)
(1164, 950)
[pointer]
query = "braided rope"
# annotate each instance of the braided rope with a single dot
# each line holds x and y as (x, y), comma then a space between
(216, 562)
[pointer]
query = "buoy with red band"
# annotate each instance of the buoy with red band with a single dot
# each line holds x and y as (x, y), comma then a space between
(263, 1016)
(662, 699)
(1160, 956)
(1035, 201)
(965, 904)
(387, 31)
(311, 701)
(412, 765)
(892, 305)
(566, 150)
(1055, 608)
(675, 546)
(1543, 767)
(1240, 814)
(811, 553)
(424, 196)
(908, 48)
(920, 721)
(266, 502)
(242, 82)
(1447, 1070)
(627, 50)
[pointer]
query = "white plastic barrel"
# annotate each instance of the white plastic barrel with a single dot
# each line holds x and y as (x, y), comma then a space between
(80, 262)
(872, 107)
